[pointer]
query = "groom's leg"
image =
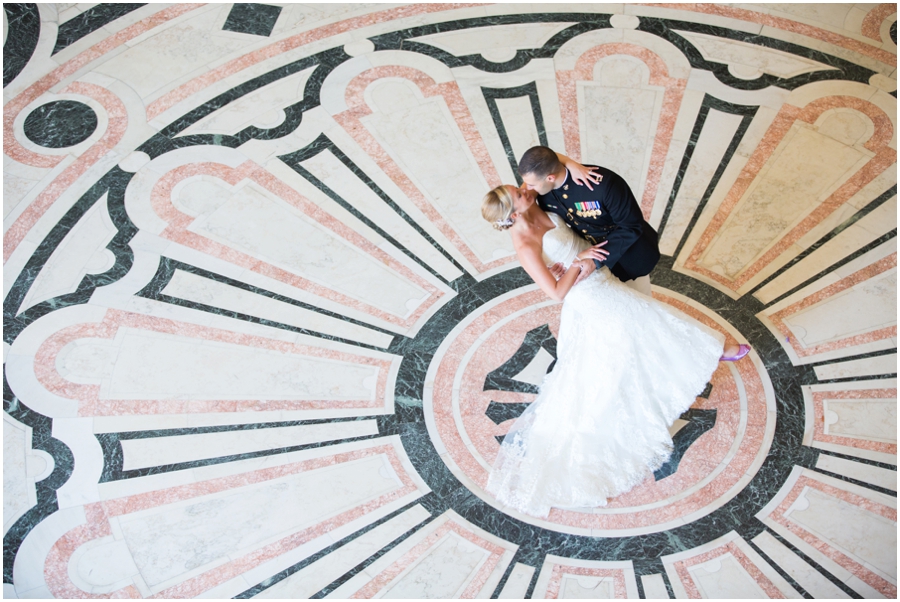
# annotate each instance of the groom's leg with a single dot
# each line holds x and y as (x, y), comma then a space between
(641, 285)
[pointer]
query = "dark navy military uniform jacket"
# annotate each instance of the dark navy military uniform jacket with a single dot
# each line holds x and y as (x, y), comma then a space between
(632, 243)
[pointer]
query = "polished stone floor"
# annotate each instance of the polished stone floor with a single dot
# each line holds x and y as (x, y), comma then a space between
(258, 341)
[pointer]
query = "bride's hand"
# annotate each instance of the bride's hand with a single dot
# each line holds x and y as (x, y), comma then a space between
(587, 266)
(596, 252)
(557, 270)
(580, 174)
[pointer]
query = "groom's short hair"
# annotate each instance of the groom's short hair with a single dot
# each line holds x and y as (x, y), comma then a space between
(539, 160)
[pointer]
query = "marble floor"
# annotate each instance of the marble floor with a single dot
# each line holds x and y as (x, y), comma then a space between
(258, 341)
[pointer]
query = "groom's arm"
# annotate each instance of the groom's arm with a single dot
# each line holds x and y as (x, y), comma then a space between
(624, 211)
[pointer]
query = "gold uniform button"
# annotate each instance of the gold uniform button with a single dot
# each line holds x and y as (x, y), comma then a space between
(571, 210)
(584, 231)
(565, 196)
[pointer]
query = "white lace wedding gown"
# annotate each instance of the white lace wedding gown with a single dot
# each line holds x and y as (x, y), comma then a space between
(627, 367)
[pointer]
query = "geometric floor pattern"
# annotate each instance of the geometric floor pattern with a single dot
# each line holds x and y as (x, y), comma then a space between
(259, 342)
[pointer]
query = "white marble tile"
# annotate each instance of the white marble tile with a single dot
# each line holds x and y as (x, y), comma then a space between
(191, 287)
(714, 139)
(866, 306)
(749, 61)
(517, 584)
(421, 135)
(20, 466)
(518, 120)
(673, 12)
(159, 451)
(253, 221)
(856, 470)
(872, 419)
(219, 266)
(536, 369)
(156, 61)
(854, 582)
(777, 199)
(805, 575)
(313, 577)
(883, 364)
(436, 70)
(839, 51)
(143, 364)
(168, 542)
(581, 587)
(861, 233)
(102, 566)
(496, 43)
(618, 113)
(857, 452)
(83, 251)
(865, 536)
(333, 173)
(355, 583)
(112, 424)
(81, 486)
(767, 570)
(21, 183)
(262, 107)
(654, 587)
(443, 571)
(725, 577)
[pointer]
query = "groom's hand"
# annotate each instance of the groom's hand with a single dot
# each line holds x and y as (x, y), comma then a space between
(557, 270)
(597, 252)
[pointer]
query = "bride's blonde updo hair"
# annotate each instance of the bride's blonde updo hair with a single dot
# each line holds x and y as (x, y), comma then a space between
(497, 207)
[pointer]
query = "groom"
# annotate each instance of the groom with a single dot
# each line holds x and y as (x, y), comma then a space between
(608, 212)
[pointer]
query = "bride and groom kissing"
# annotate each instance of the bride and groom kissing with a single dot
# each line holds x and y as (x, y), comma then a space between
(627, 365)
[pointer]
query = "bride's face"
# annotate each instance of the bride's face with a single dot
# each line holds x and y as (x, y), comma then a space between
(523, 199)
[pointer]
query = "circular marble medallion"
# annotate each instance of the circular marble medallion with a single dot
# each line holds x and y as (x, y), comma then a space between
(487, 372)
(476, 365)
(60, 124)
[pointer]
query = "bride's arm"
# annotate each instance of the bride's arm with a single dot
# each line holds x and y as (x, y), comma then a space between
(580, 174)
(529, 254)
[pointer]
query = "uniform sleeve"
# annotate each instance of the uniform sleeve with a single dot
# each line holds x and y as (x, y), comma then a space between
(626, 214)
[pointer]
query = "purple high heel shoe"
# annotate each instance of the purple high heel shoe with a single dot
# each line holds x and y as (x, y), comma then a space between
(742, 351)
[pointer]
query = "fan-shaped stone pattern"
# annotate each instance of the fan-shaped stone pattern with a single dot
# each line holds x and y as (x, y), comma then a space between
(266, 284)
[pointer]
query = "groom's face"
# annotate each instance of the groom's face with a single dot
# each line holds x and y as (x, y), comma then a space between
(538, 184)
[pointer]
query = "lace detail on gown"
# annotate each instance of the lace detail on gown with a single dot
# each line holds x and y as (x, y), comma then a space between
(627, 367)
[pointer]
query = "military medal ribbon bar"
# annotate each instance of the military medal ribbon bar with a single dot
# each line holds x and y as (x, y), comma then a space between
(588, 209)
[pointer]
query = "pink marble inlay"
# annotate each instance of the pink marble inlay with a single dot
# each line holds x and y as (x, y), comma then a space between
(884, 158)
(161, 200)
(659, 76)
(418, 552)
(732, 12)
(857, 569)
(820, 397)
(681, 567)
(871, 25)
(862, 275)
(702, 458)
(561, 570)
(99, 513)
(246, 61)
(88, 396)
(350, 120)
(118, 122)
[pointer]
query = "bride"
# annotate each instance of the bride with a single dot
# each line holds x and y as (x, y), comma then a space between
(627, 367)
